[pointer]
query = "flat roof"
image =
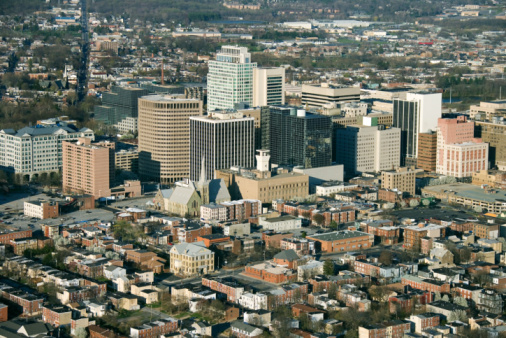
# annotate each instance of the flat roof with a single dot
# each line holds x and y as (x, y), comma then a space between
(470, 191)
(338, 235)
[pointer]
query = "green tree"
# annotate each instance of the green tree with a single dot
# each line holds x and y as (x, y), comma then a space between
(385, 257)
(329, 268)
(318, 219)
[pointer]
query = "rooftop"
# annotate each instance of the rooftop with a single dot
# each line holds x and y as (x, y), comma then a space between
(338, 235)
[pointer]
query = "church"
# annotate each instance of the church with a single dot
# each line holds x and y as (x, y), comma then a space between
(186, 197)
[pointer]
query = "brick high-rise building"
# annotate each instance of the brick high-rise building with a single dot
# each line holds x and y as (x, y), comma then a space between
(427, 151)
(164, 137)
(459, 153)
(494, 133)
(88, 168)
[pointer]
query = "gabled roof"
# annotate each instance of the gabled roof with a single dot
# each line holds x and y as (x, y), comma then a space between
(287, 255)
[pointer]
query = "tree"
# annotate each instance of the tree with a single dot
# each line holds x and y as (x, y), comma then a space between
(478, 209)
(328, 268)
(414, 203)
(460, 301)
(445, 298)
(333, 225)
(465, 255)
(385, 258)
(81, 332)
(318, 219)
(388, 206)
(303, 234)
(426, 202)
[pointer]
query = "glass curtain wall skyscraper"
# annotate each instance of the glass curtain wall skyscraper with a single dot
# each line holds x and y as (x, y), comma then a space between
(230, 78)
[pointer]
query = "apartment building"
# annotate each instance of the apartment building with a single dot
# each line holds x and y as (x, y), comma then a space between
(88, 168)
(164, 136)
(220, 140)
(191, 259)
(35, 150)
(41, 209)
(402, 179)
(343, 241)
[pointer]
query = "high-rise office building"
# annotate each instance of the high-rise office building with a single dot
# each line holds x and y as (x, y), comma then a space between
(427, 151)
(119, 104)
(319, 96)
(88, 168)
(417, 114)
(35, 150)
(268, 86)
(222, 140)
(459, 153)
(367, 148)
(299, 138)
(494, 133)
(164, 137)
(230, 78)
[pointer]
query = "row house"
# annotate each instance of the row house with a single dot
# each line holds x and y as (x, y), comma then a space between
(351, 296)
(56, 315)
(301, 246)
(92, 268)
(406, 302)
(469, 292)
(99, 332)
(253, 301)
(240, 329)
(425, 321)
(188, 232)
(7, 236)
(425, 284)
(379, 271)
(383, 231)
(345, 215)
(323, 283)
(414, 234)
(121, 247)
(287, 294)
(50, 230)
(392, 329)
(322, 300)
(30, 303)
(273, 239)
(228, 286)
(155, 329)
(243, 209)
(87, 290)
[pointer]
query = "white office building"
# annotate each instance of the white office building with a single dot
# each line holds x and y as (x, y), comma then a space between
(268, 86)
(222, 140)
(230, 78)
(417, 114)
(35, 150)
(364, 149)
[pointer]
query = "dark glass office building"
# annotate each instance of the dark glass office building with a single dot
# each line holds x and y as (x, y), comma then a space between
(299, 138)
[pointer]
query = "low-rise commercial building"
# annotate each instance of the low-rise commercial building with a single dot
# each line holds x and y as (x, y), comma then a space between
(41, 209)
(281, 223)
(341, 241)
